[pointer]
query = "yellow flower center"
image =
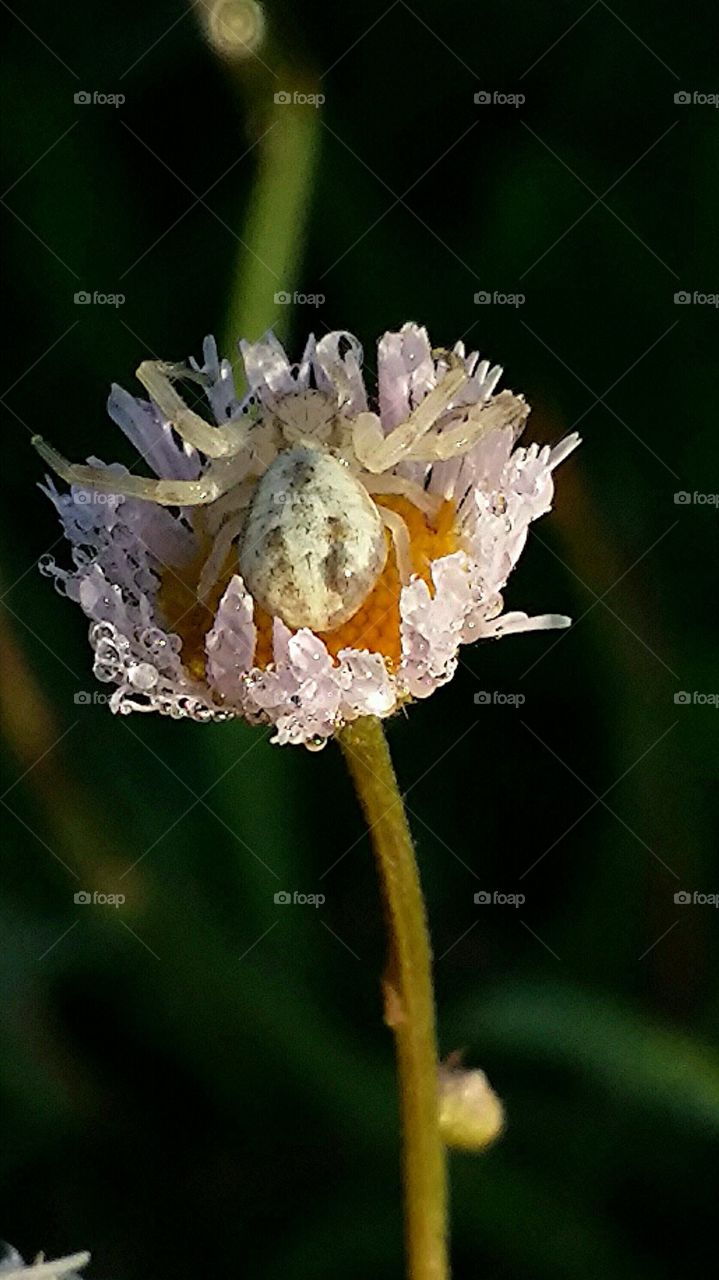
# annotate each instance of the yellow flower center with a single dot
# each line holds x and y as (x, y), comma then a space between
(375, 626)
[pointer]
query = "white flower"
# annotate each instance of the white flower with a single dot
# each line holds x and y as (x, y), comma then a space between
(306, 560)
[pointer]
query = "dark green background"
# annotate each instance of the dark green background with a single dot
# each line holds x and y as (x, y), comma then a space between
(184, 1109)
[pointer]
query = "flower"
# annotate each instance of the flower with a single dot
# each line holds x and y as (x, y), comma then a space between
(12, 1266)
(306, 560)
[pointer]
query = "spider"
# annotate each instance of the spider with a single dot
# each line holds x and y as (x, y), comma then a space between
(291, 481)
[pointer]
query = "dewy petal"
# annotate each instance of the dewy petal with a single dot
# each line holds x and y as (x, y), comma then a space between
(267, 369)
(143, 425)
(300, 694)
(230, 644)
(405, 373)
(341, 374)
(430, 628)
(562, 450)
(367, 689)
(117, 561)
(122, 549)
(220, 382)
(507, 491)
(482, 382)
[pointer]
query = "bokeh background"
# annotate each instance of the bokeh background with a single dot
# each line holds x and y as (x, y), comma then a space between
(199, 1083)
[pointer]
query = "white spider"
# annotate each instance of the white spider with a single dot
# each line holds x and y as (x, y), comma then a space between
(290, 481)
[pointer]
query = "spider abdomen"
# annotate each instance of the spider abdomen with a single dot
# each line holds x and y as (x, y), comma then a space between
(314, 543)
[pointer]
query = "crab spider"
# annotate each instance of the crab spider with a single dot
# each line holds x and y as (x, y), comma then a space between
(291, 483)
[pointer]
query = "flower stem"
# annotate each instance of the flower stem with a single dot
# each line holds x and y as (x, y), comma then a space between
(274, 232)
(409, 998)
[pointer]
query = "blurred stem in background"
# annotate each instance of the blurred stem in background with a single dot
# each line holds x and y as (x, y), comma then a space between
(285, 132)
(275, 225)
(409, 997)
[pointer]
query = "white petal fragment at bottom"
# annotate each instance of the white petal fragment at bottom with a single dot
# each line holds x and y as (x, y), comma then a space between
(12, 1267)
(514, 623)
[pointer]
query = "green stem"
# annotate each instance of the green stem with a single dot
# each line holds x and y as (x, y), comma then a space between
(273, 235)
(409, 998)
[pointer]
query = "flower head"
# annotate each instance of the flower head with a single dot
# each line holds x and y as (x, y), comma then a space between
(308, 559)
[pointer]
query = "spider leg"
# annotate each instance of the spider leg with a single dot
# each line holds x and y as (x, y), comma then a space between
(378, 452)
(429, 503)
(167, 493)
(504, 410)
(400, 541)
(215, 442)
(214, 563)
